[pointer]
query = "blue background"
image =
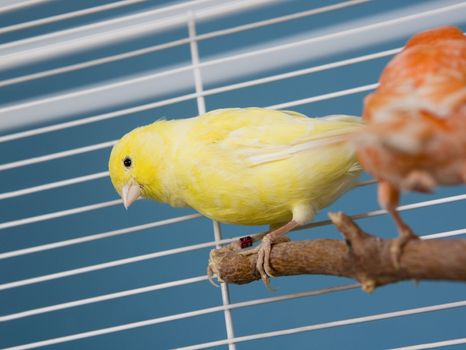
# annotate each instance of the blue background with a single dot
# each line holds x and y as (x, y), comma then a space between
(262, 318)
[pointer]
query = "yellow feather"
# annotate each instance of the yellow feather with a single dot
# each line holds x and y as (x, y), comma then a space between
(249, 166)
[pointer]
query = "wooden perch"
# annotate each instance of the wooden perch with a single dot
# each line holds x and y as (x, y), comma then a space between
(361, 256)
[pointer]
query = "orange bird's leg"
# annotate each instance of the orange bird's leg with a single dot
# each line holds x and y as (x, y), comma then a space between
(389, 198)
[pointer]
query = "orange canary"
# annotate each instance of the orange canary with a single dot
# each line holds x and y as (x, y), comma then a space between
(415, 137)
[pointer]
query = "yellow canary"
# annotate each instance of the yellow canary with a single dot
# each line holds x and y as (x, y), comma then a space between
(249, 166)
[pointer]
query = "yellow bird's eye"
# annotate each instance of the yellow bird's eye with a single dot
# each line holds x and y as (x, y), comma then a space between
(127, 162)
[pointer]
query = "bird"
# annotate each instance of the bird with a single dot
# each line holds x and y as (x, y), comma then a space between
(415, 137)
(247, 166)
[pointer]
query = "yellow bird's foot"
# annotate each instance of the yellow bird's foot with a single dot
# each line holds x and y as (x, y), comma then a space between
(263, 258)
(263, 250)
(396, 248)
(210, 275)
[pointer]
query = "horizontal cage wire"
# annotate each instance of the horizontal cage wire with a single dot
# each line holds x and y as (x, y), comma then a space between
(14, 6)
(186, 281)
(224, 60)
(74, 251)
(183, 218)
(434, 345)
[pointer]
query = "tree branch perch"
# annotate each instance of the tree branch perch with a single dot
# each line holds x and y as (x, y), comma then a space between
(361, 256)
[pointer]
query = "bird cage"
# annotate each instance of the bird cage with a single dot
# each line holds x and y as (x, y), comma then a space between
(77, 271)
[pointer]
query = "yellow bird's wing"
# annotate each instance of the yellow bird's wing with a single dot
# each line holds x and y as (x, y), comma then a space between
(327, 131)
(260, 135)
(253, 166)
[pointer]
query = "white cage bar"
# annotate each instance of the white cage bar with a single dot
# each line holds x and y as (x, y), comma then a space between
(199, 95)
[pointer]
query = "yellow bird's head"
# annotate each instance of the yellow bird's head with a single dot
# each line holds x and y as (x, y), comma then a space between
(134, 164)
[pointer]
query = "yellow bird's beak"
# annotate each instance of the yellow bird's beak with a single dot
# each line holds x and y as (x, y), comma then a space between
(130, 193)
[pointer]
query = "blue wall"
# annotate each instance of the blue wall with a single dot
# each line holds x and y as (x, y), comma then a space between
(293, 313)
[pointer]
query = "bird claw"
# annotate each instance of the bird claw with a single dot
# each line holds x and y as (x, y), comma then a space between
(263, 258)
(395, 253)
(263, 250)
(263, 261)
(398, 244)
(210, 276)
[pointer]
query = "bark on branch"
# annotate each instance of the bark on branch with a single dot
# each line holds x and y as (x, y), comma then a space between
(361, 256)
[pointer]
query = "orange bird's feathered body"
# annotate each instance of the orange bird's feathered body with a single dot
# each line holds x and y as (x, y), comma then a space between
(416, 119)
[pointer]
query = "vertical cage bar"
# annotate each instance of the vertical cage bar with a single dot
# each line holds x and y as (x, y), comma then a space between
(195, 61)
(201, 110)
